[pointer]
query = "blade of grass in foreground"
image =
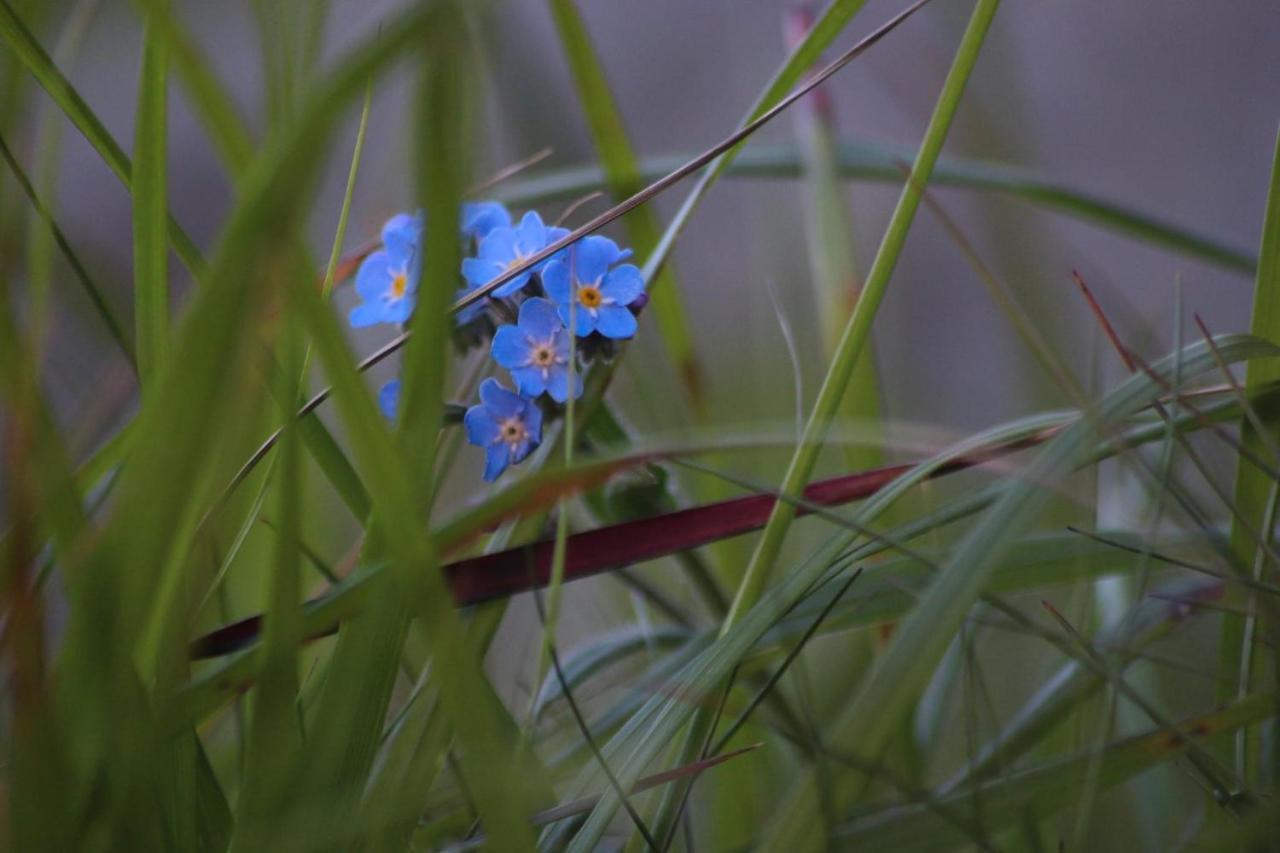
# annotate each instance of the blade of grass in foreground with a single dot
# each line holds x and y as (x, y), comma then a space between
(113, 599)
(151, 208)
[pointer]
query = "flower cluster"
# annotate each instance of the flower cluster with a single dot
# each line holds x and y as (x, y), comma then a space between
(526, 321)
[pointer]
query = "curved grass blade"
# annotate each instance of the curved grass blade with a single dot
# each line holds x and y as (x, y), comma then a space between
(588, 660)
(858, 160)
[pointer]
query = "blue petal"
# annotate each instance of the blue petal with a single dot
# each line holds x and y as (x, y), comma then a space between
(478, 272)
(532, 234)
(373, 276)
(514, 286)
(399, 310)
(553, 235)
(366, 314)
(389, 398)
(592, 257)
(481, 428)
(500, 402)
(511, 347)
(499, 246)
(539, 320)
(479, 218)
(558, 384)
(401, 235)
(496, 458)
(555, 281)
(615, 321)
(623, 284)
(530, 381)
(532, 424)
(584, 323)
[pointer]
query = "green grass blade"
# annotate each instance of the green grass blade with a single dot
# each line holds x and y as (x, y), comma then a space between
(274, 738)
(151, 208)
(210, 98)
(1253, 490)
(833, 266)
(857, 160)
(48, 145)
(197, 398)
(858, 329)
(99, 301)
(622, 177)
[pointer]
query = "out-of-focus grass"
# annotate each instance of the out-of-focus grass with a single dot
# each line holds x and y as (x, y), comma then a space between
(398, 733)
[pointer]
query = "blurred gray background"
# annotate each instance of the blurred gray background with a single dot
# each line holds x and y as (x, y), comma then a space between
(1168, 107)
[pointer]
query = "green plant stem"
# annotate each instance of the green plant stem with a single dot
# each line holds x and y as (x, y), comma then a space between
(150, 208)
(858, 329)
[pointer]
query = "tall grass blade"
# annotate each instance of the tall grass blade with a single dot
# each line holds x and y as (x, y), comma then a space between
(1254, 489)
(858, 329)
(151, 208)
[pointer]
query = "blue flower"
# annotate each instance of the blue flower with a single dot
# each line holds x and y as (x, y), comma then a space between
(481, 217)
(506, 247)
(505, 424)
(388, 279)
(601, 294)
(389, 398)
(536, 351)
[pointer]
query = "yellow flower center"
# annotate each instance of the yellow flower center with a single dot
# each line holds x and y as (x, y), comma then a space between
(399, 283)
(589, 296)
(544, 356)
(513, 431)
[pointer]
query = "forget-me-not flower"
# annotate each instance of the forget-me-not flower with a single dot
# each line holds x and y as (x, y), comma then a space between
(504, 248)
(481, 217)
(388, 279)
(536, 351)
(505, 424)
(389, 398)
(600, 294)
